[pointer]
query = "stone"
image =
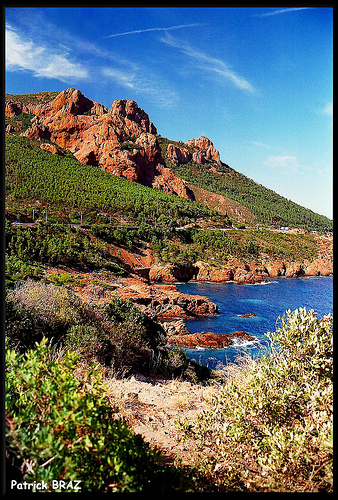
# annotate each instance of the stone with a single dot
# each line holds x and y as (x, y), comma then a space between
(208, 340)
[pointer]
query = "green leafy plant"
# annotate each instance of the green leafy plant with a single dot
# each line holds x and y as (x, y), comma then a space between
(269, 427)
(61, 427)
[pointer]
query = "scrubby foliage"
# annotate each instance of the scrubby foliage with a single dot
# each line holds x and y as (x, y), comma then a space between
(29, 247)
(269, 428)
(264, 203)
(186, 246)
(35, 309)
(61, 426)
(35, 98)
(118, 336)
(32, 173)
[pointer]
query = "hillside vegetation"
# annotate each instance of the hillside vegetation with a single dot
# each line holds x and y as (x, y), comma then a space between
(32, 173)
(266, 205)
(34, 98)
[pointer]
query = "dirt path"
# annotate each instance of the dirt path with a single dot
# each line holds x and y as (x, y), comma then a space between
(152, 408)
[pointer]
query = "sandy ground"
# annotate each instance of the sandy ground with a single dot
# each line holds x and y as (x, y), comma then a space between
(152, 407)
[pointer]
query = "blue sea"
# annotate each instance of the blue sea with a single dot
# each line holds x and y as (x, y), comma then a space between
(267, 300)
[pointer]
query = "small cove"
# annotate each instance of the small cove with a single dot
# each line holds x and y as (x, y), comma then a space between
(267, 301)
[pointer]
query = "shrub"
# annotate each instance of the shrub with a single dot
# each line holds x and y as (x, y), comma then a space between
(60, 427)
(269, 428)
(17, 270)
(90, 343)
(36, 309)
(135, 336)
(177, 364)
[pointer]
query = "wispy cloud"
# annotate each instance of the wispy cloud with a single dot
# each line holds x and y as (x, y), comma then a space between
(42, 61)
(286, 164)
(151, 86)
(209, 64)
(146, 30)
(328, 109)
(281, 11)
(260, 144)
(60, 59)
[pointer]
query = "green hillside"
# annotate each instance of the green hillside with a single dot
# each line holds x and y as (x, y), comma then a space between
(62, 181)
(267, 206)
(36, 98)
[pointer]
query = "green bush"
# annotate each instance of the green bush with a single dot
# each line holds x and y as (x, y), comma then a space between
(269, 427)
(17, 270)
(61, 427)
(136, 337)
(90, 343)
(35, 309)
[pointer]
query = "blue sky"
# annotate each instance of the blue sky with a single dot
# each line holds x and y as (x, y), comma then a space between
(257, 81)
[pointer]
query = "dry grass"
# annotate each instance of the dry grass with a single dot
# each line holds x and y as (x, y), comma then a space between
(153, 407)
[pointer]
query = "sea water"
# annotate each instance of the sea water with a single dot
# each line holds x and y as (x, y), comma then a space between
(267, 301)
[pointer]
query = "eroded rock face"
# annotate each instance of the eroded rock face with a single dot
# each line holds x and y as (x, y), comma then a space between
(251, 273)
(165, 301)
(178, 155)
(205, 150)
(121, 141)
(199, 150)
(208, 340)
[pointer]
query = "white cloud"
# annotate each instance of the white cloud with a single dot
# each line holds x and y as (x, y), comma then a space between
(328, 110)
(260, 144)
(209, 64)
(283, 162)
(170, 28)
(281, 11)
(151, 86)
(42, 61)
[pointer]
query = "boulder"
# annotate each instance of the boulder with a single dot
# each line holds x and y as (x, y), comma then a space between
(208, 340)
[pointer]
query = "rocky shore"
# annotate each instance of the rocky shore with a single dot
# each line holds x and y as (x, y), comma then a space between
(151, 287)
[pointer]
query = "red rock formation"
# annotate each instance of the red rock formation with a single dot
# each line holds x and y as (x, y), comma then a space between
(246, 273)
(178, 155)
(160, 301)
(51, 148)
(208, 340)
(200, 150)
(121, 141)
(205, 150)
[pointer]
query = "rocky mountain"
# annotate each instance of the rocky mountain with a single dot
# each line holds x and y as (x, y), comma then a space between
(121, 140)
(124, 142)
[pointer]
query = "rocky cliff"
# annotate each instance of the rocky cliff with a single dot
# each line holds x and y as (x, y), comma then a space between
(198, 150)
(121, 140)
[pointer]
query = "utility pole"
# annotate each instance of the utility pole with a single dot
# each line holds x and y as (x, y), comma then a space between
(33, 213)
(81, 218)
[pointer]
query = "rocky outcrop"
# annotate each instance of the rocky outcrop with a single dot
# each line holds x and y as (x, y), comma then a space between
(172, 274)
(208, 340)
(241, 273)
(200, 150)
(121, 140)
(178, 155)
(203, 271)
(46, 146)
(205, 150)
(164, 301)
